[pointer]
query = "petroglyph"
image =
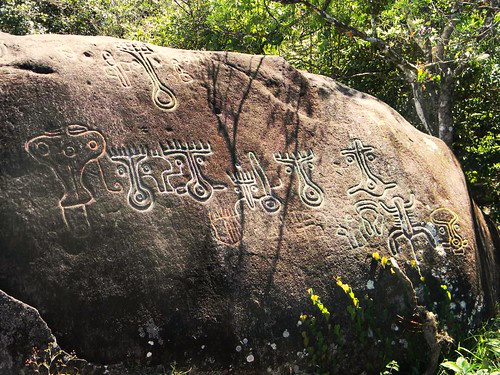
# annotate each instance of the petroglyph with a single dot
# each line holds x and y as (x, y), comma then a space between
(404, 228)
(3, 50)
(349, 228)
(139, 196)
(448, 230)
(370, 183)
(254, 187)
(181, 73)
(67, 152)
(115, 69)
(372, 221)
(302, 164)
(162, 96)
(190, 158)
(226, 226)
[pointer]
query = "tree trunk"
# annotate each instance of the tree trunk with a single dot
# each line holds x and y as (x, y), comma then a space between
(445, 115)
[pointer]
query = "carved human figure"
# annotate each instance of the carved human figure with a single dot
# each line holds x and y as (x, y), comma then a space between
(162, 96)
(114, 69)
(302, 164)
(254, 187)
(448, 230)
(67, 152)
(404, 227)
(140, 196)
(370, 183)
(189, 159)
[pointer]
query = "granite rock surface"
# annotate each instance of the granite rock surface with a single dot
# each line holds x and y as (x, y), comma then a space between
(160, 205)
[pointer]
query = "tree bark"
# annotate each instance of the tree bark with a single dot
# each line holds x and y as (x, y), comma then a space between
(444, 112)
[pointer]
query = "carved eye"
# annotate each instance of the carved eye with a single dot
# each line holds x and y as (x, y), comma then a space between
(139, 197)
(254, 188)
(121, 170)
(371, 185)
(146, 168)
(69, 151)
(442, 230)
(370, 156)
(43, 148)
(311, 166)
(288, 170)
(179, 162)
(92, 145)
(350, 159)
(311, 193)
(200, 160)
(237, 190)
(200, 190)
(456, 227)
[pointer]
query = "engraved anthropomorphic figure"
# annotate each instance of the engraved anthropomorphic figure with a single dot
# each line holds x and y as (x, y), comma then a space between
(162, 96)
(370, 183)
(114, 69)
(188, 160)
(140, 196)
(67, 152)
(405, 229)
(302, 164)
(448, 230)
(253, 186)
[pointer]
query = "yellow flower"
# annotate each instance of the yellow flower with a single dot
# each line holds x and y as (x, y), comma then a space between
(392, 270)
(376, 255)
(346, 288)
(303, 317)
(355, 301)
(422, 278)
(384, 261)
(339, 281)
(314, 298)
(310, 291)
(413, 263)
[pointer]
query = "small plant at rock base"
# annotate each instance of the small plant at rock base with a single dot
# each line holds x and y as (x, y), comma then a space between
(390, 368)
(51, 361)
(484, 356)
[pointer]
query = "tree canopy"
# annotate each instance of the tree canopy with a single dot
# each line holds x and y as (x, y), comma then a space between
(434, 61)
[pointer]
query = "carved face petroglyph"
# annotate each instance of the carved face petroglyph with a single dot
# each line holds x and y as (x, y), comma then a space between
(67, 152)
(448, 230)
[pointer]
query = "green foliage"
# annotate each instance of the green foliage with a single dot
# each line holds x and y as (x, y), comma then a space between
(390, 368)
(482, 358)
(51, 361)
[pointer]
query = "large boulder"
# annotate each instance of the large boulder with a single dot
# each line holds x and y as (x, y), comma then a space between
(162, 206)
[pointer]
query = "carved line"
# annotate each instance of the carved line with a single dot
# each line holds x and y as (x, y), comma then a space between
(114, 69)
(447, 225)
(301, 163)
(370, 183)
(140, 51)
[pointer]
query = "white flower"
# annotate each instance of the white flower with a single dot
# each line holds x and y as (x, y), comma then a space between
(238, 348)
(286, 333)
(370, 285)
(250, 358)
(149, 354)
